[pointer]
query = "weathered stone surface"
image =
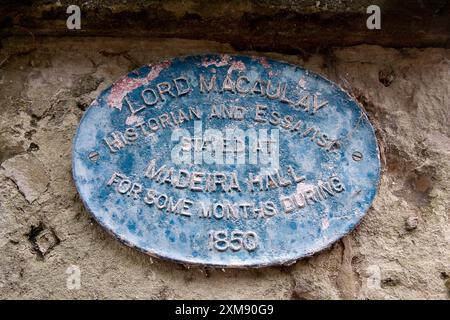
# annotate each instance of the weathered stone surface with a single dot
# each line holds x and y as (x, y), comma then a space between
(380, 259)
(29, 175)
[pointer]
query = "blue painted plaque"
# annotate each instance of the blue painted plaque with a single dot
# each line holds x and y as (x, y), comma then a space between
(227, 161)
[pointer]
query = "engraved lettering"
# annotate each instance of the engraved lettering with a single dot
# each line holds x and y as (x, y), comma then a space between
(182, 85)
(205, 87)
(149, 97)
(164, 88)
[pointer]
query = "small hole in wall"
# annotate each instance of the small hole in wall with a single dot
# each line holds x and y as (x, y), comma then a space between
(386, 76)
(33, 147)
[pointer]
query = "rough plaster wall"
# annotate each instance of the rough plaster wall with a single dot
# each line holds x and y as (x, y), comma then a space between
(400, 250)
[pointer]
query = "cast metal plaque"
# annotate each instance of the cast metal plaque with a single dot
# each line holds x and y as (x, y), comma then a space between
(227, 161)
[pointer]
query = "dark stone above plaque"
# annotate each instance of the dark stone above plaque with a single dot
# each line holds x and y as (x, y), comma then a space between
(226, 160)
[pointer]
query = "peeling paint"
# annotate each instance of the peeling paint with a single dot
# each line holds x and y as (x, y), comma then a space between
(122, 87)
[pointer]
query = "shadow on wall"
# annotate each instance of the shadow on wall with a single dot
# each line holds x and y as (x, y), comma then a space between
(284, 26)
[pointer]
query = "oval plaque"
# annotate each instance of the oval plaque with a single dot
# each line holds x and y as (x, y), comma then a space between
(226, 160)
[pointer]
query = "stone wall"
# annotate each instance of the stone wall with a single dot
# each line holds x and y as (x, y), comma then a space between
(400, 250)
